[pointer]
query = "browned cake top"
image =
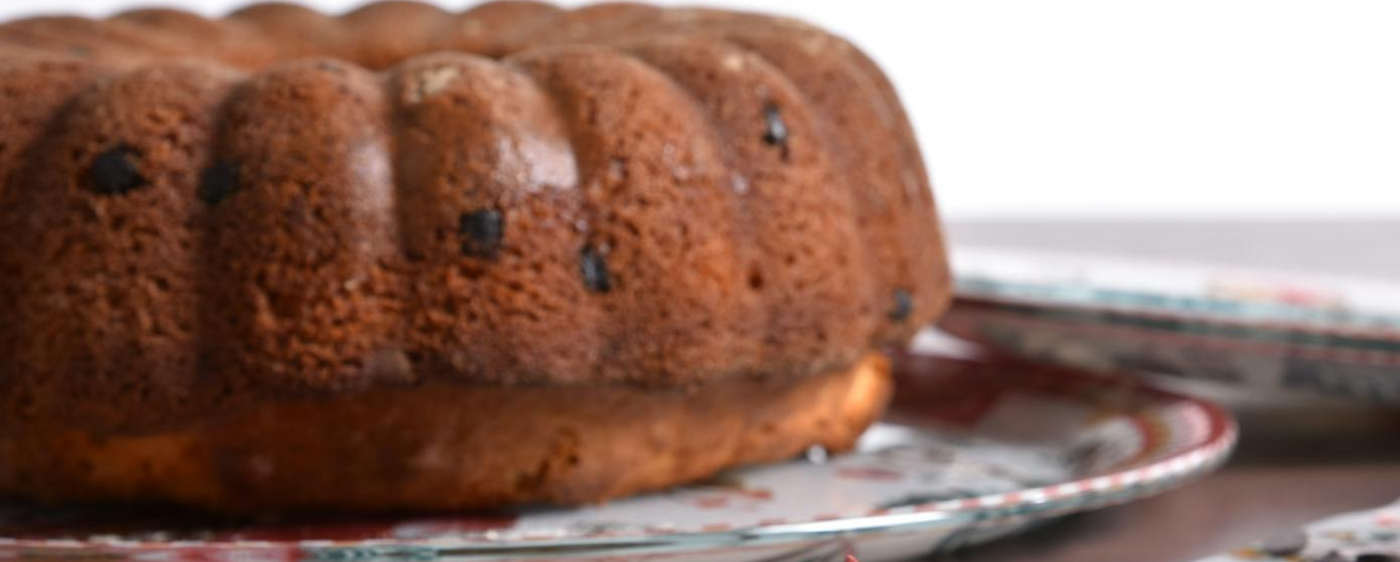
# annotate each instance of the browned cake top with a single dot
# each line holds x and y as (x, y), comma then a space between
(199, 212)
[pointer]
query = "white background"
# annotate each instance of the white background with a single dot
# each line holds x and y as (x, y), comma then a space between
(1117, 108)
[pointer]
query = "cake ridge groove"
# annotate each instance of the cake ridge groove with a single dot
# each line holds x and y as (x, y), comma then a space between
(638, 172)
(732, 298)
(848, 93)
(776, 331)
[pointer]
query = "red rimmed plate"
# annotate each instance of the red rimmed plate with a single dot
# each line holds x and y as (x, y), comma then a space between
(970, 451)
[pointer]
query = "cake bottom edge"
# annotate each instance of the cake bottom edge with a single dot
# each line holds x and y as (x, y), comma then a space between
(446, 446)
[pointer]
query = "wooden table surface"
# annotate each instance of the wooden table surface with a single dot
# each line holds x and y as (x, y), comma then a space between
(1299, 459)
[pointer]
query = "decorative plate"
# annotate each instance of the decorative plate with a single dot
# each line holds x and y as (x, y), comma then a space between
(1262, 329)
(969, 452)
(1366, 535)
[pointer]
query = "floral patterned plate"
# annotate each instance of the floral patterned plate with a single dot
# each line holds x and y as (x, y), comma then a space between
(1367, 535)
(1256, 328)
(970, 451)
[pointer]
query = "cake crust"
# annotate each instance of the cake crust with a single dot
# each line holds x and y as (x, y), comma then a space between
(284, 218)
(452, 446)
(513, 194)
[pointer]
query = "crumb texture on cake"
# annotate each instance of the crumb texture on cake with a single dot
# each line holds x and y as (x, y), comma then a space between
(201, 214)
(453, 446)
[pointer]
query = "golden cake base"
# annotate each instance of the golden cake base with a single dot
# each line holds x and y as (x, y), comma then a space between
(452, 446)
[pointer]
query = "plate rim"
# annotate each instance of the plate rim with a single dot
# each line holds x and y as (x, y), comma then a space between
(1384, 336)
(978, 288)
(1084, 319)
(1083, 493)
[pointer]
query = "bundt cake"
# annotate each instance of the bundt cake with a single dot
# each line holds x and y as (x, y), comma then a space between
(405, 258)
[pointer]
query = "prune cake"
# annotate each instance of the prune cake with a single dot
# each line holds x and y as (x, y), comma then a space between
(410, 259)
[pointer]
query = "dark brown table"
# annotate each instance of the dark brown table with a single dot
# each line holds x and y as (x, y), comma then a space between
(1299, 459)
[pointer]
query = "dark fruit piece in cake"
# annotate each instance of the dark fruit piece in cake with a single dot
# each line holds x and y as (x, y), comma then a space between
(775, 131)
(218, 182)
(481, 233)
(114, 172)
(595, 270)
(903, 305)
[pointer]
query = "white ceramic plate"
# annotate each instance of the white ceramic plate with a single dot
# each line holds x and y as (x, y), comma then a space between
(970, 451)
(1361, 536)
(1258, 328)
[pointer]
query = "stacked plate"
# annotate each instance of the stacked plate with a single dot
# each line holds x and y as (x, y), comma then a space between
(1257, 328)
